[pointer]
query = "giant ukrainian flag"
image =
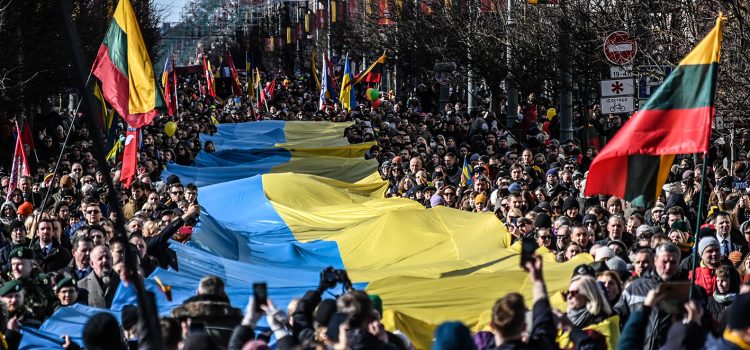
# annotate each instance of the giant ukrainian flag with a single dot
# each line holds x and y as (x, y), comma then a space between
(675, 120)
(125, 69)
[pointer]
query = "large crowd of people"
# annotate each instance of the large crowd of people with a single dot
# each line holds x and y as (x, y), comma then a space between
(59, 244)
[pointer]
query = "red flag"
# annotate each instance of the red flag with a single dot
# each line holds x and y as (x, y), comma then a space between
(26, 136)
(235, 77)
(168, 95)
(20, 163)
(129, 161)
(329, 66)
(386, 13)
(270, 90)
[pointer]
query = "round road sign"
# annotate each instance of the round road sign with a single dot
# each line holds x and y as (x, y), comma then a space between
(620, 48)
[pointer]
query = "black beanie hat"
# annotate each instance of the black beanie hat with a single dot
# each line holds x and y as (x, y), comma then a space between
(543, 220)
(129, 316)
(570, 202)
(738, 312)
(102, 332)
(325, 311)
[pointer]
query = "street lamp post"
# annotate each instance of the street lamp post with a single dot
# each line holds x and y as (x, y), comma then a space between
(566, 79)
(328, 32)
(510, 85)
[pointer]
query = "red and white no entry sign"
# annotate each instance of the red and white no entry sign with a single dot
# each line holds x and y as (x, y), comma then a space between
(620, 48)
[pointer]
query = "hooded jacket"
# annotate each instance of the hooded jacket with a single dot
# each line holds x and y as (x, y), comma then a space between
(4, 220)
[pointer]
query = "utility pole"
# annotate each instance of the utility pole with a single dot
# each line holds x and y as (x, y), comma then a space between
(510, 84)
(566, 79)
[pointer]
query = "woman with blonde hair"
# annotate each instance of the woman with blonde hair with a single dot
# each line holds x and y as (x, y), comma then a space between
(587, 303)
(151, 227)
(149, 209)
(744, 269)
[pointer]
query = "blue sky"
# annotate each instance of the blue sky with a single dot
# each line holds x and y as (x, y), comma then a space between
(172, 8)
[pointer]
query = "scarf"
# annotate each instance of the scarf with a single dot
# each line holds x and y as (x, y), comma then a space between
(724, 298)
(736, 340)
(580, 318)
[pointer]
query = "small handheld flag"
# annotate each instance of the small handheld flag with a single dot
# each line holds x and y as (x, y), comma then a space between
(467, 175)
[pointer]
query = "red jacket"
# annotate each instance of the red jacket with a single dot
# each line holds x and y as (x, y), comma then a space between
(706, 278)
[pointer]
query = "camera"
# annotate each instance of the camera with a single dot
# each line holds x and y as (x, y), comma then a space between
(330, 277)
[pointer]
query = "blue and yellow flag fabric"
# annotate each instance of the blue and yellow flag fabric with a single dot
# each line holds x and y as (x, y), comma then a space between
(467, 175)
(348, 95)
(284, 227)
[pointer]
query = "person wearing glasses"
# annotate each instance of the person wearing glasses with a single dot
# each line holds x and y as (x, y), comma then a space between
(586, 302)
(76, 171)
(93, 214)
(544, 238)
(449, 196)
(176, 194)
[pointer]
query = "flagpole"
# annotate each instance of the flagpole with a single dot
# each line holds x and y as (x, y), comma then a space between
(703, 187)
(62, 149)
(697, 227)
(176, 98)
(14, 171)
(150, 331)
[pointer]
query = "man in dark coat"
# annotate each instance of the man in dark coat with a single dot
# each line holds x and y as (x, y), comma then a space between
(49, 254)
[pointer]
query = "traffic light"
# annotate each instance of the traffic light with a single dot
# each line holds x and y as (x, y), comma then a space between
(544, 2)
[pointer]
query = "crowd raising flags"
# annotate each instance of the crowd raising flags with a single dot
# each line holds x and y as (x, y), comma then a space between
(373, 74)
(675, 120)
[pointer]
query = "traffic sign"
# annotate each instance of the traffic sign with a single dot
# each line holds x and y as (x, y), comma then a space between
(620, 48)
(619, 72)
(613, 105)
(618, 87)
(651, 76)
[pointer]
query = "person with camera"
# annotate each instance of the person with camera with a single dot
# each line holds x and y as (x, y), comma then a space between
(666, 271)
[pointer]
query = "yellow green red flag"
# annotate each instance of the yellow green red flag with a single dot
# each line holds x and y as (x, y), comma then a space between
(125, 70)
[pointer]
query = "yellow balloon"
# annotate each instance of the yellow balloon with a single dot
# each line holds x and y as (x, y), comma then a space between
(170, 128)
(551, 113)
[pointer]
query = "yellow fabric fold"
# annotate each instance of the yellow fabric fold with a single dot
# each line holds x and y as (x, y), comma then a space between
(427, 265)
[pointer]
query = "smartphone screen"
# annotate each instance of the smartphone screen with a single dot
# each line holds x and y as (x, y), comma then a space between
(260, 295)
(528, 247)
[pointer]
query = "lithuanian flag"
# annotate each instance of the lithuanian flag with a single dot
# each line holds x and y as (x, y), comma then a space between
(123, 66)
(675, 120)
